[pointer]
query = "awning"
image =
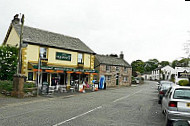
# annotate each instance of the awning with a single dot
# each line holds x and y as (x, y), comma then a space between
(62, 69)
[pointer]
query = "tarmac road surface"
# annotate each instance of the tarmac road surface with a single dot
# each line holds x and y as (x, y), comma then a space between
(125, 106)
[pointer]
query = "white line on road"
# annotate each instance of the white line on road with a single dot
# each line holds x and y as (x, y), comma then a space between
(126, 96)
(77, 116)
(94, 109)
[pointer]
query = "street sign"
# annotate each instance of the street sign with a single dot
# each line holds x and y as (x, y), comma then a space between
(184, 74)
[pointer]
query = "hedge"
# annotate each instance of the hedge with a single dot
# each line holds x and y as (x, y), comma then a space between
(184, 83)
(8, 85)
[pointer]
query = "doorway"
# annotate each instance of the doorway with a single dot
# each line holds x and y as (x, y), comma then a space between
(44, 77)
(117, 79)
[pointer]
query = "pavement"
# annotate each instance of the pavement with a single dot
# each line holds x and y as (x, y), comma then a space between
(8, 100)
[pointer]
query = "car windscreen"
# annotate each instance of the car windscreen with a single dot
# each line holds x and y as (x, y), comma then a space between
(181, 94)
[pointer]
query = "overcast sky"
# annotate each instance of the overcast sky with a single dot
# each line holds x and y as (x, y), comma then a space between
(142, 29)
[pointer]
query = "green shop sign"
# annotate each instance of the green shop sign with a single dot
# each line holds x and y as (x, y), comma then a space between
(63, 56)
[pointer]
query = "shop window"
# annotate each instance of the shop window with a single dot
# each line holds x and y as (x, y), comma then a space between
(80, 58)
(43, 53)
(30, 76)
(54, 80)
(108, 68)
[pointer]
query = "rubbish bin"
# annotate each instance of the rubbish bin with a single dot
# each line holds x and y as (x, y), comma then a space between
(45, 88)
(96, 85)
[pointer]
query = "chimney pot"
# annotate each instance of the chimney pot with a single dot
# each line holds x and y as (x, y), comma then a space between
(16, 19)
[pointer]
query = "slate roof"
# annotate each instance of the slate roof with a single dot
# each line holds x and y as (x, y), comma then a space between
(46, 38)
(109, 60)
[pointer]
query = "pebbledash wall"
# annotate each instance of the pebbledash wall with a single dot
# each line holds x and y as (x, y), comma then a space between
(31, 56)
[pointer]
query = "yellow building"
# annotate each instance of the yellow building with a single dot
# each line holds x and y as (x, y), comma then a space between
(63, 59)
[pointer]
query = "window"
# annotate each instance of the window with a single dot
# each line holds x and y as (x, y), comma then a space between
(108, 77)
(108, 68)
(125, 69)
(182, 94)
(80, 58)
(168, 91)
(124, 79)
(43, 53)
(117, 68)
(30, 76)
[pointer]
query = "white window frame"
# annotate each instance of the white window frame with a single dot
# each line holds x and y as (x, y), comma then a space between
(80, 58)
(108, 68)
(126, 69)
(117, 68)
(43, 51)
(125, 79)
(108, 77)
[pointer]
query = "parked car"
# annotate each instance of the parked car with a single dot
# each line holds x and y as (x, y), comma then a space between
(176, 104)
(135, 80)
(164, 86)
(162, 82)
(181, 123)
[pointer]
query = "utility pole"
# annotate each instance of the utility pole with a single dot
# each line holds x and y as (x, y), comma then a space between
(38, 83)
(20, 46)
(18, 79)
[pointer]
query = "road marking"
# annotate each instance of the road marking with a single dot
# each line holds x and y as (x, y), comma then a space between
(77, 116)
(126, 96)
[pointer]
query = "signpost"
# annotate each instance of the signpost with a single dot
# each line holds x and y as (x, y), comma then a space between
(184, 74)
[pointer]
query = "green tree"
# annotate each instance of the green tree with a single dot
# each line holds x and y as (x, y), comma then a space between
(175, 63)
(164, 63)
(181, 63)
(8, 62)
(138, 65)
(151, 65)
(184, 62)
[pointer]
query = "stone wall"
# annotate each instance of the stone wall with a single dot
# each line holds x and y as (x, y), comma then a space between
(113, 73)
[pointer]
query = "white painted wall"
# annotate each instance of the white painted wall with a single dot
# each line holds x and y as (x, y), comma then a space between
(168, 71)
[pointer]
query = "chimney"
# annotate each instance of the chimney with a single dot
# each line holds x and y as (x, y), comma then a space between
(121, 55)
(16, 19)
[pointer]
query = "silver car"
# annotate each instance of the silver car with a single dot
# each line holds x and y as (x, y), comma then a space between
(163, 89)
(176, 104)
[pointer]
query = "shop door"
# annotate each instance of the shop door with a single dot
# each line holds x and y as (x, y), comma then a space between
(44, 77)
(63, 79)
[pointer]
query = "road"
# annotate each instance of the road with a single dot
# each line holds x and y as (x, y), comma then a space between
(125, 106)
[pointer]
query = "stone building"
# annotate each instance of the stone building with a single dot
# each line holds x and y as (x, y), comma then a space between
(115, 70)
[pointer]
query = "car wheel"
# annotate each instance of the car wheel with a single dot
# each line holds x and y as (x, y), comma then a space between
(168, 122)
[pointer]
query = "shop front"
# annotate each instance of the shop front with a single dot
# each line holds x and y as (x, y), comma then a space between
(61, 76)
